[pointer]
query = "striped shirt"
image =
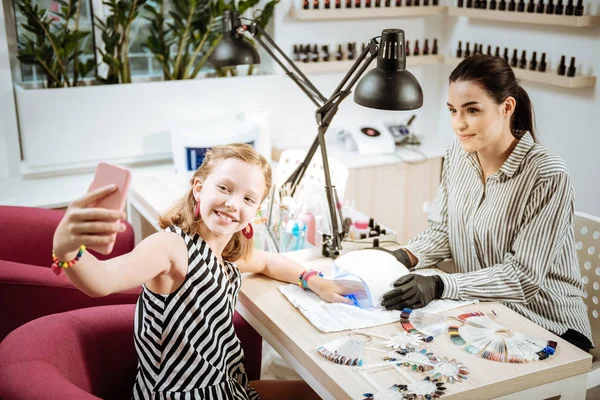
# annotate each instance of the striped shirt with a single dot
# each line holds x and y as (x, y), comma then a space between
(185, 341)
(511, 239)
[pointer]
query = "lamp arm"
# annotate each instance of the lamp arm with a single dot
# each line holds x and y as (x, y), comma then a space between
(277, 54)
(327, 108)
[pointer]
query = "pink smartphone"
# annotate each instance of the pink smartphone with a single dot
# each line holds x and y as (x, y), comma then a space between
(107, 174)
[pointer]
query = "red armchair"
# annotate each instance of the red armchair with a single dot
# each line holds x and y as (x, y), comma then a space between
(77, 355)
(28, 287)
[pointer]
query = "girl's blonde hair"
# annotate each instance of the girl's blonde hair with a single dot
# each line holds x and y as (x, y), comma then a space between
(182, 212)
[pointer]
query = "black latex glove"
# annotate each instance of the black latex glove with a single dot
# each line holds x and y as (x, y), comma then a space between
(413, 291)
(400, 254)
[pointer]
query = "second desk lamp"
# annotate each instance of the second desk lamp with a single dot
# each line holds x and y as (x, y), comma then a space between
(388, 87)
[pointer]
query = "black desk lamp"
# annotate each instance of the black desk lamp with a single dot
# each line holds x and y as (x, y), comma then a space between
(388, 87)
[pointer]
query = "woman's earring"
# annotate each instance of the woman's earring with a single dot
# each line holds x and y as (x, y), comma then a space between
(248, 232)
(197, 210)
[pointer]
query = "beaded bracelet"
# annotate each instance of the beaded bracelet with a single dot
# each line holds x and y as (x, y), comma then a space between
(303, 278)
(58, 266)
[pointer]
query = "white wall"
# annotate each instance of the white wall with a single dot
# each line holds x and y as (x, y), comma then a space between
(567, 119)
(9, 145)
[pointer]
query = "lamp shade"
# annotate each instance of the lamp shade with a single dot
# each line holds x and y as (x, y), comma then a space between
(390, 86)
(233, 49)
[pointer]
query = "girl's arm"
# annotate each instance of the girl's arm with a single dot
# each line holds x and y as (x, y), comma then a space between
(89, 226)
(283, 269)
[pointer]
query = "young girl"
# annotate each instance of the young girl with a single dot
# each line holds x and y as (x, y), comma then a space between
(190, 277)
(503, 213)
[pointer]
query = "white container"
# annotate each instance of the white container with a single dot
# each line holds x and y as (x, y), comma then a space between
(189, 146)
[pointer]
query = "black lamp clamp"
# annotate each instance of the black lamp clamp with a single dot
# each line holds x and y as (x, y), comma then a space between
(388, 87)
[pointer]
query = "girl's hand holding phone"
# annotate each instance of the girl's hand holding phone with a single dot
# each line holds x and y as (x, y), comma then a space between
(83, 224)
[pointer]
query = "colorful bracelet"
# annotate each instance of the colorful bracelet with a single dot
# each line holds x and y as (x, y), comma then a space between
(58, 266)
(303, 278)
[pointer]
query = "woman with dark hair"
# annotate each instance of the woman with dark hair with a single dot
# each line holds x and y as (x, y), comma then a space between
(503, 212)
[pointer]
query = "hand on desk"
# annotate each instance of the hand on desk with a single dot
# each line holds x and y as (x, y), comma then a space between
(413, 291)
(334, 291)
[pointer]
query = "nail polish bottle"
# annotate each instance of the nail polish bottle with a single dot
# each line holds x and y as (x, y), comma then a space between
(523, 61)
(434, 50)
(475, 3)
(348, 3)
(407, 48)
(562, 67)
(416, 51)
(550, 7)
(493, 5)
(579, 8)
(483, 4)
(357, 3)
(325, 49)
(416, 3)
(315, 4)
(408, 3)
(425, 2)
(469, 3)
(480, 51)
(542, 67)
(475, 48)
(569, 8)
(378, 3)
(367, 3)
(467, 51)
(531, 6)
(351, 51)
(540, 7)
(315, 54)
(502, 5)
(505, 56)
(559, 9)
(398, 3)
(339, 56)
(426, 48)
(497, 54)
(305, 4)
(459, 52)
(388, 3)
(533, 62)
(327, 4)
(514, 60)
(460, 3)
(296, 54)
(512, 5)
(307, 53)
(436, 2)
(521, 6)
(489, 50)
(571, 70)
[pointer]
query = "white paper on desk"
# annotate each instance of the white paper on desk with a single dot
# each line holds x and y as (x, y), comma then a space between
(335, 317)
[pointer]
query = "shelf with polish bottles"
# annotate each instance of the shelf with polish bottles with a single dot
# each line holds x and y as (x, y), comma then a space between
(533, 71)
(530, 13)
(317, 59)
(315, 10)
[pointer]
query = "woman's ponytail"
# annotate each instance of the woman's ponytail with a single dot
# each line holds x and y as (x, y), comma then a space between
(522, 119)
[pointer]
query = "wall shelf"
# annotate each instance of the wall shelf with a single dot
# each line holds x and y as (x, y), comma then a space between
(365, 13)
(547, 78)
(344, 66)
(526, 18)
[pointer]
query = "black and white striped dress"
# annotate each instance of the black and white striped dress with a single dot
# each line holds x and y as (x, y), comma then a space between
(186, 344)
(511, 238)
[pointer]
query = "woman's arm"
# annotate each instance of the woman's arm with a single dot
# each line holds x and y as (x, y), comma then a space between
(432, 246)
(547, 223)
(283, 269)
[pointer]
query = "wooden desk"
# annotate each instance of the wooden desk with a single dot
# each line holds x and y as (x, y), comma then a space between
(296, 340)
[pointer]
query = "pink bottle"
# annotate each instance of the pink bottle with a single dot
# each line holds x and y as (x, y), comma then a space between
(309, 220)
